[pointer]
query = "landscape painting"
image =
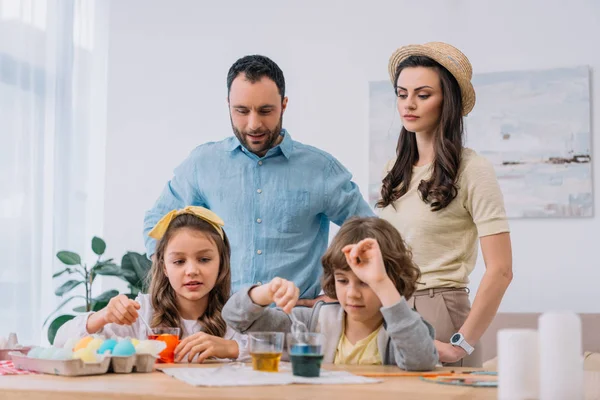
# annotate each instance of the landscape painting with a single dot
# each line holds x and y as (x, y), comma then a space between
(534, 126)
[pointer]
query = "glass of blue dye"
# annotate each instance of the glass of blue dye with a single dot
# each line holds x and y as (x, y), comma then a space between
(306, 353)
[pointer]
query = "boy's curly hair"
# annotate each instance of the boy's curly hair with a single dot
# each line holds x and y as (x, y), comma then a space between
(396, 255)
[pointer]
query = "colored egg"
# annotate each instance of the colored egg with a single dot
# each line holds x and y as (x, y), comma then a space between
(35, 352)
(83, 342)
(70, 343)
(95, 344)
(108, 345)
(85, 355)
(135, 342)
(62, 354)
(47, 353)
(124, 348)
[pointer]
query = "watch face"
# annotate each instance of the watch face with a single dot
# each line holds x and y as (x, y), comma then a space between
(455, 338)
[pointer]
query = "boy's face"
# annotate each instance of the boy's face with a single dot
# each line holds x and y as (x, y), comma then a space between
(356, 297)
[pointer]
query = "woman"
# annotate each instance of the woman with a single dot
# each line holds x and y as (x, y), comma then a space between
(442, 196)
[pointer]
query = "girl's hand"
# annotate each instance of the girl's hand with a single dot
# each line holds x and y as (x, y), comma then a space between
(366, 261)
(121, 310)
(205, 346)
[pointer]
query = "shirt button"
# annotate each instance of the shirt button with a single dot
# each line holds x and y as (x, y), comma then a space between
(260, 163)
(259, 220)
(259, 191)
(259, 252)
(259, 283)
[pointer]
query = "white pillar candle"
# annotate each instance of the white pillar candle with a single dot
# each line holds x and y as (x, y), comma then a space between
(561, 358)
(518, 364)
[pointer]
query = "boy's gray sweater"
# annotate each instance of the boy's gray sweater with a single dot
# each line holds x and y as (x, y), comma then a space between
(406, 340)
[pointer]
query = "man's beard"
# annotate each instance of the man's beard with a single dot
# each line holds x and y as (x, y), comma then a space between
(270, 142)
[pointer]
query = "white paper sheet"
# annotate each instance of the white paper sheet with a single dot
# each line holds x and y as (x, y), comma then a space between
(244, 375)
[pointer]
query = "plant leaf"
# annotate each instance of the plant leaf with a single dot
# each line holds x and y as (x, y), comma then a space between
(67, 286)
(131, 275)
(60, 305)
(69, 258)
(99, 305)
(68, 270)
(98, 245)
(56, 324)
(107, 269)
(128, 275)
(141, 266)
(106, 296)
(95, 306)
(103, 262)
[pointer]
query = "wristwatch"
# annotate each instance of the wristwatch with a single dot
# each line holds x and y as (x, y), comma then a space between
(459, 340)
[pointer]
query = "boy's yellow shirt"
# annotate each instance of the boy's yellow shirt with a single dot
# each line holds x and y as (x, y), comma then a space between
(363, 352)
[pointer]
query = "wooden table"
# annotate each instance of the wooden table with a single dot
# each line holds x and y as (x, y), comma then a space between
(157, 385)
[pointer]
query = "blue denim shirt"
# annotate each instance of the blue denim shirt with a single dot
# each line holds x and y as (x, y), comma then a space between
(276, 208)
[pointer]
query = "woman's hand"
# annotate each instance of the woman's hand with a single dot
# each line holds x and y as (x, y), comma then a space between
(449, 353)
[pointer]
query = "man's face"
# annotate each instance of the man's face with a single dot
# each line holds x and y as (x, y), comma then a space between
(256, 112)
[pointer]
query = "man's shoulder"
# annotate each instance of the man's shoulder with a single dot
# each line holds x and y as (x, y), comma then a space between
(312, 154)
(214, 148)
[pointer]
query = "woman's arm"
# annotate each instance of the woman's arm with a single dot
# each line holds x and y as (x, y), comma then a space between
(497, 255)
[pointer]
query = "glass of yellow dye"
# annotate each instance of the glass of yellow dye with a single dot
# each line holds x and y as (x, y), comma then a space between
(266, 349)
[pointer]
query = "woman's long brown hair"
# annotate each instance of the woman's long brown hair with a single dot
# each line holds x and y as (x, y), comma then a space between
(162, 293)
(441, 187)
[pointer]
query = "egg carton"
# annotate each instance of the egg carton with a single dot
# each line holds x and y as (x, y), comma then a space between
(4, 353)
(76, 367)
(135, 363)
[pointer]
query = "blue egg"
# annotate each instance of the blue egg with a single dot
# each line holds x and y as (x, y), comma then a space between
(124, 348)
(108, 345)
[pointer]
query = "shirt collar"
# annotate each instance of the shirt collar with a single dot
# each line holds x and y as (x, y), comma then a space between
(286, 146)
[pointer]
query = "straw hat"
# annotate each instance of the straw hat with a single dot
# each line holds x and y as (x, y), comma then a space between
(450, 57)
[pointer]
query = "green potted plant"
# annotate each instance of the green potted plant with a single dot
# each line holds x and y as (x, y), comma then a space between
(134, 270)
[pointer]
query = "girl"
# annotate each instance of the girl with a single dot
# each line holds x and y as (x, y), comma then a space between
(369, 271)
(190, 283)
(442, 196)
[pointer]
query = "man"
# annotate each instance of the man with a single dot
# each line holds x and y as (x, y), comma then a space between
(276, 196)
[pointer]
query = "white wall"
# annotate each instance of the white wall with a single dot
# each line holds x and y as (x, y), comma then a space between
(167, 94)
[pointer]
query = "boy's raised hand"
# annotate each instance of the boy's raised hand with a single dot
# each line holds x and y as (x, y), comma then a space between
(366, 261)
(280, 291)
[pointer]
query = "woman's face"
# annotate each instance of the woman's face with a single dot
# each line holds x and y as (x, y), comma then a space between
(420, 99)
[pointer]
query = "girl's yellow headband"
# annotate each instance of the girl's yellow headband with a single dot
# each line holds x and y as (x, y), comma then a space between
(203, 213)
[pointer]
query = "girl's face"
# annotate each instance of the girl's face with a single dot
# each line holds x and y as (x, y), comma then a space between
(420, 99)
(356, 297)
(191, 264)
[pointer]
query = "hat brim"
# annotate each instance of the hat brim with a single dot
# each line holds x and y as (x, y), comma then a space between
(466, 88)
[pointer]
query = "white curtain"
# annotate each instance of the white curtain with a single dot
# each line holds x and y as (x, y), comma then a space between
(52, 134)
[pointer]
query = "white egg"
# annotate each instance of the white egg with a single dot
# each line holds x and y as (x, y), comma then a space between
(35, 352)
(47, 353)
(153, 347)
(70, 343)
(62, 354)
